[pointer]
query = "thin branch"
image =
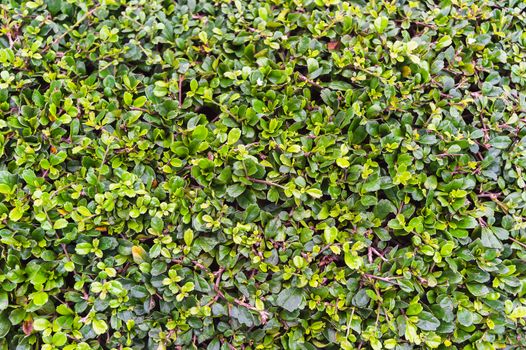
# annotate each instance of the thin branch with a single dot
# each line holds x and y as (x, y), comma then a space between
(199, 265)
(181, 79)
(219, 294)
(70, 29)
(377, 253)
(489, 195)
(269, 183)
(311, 82)
(442, 155)
(380, 278)
(518, 242)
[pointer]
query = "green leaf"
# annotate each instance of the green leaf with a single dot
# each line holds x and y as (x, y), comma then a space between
(380, 24)
(312, 65)
(39, 298)
(314, 192)
(157, 225)
(478, 290)
(340, 85)
(139, 255)
(353, 260)
(467, 222)
(59, 339)
(40, 324)
(99, 326)
(60, 224)
(447, 249)
(330, 234)
(128, 98)
(16, 214)
(139, 101)
(5, 325)
(83, 248)
(4, 301)
(489, 239)
(518, 312)
(427, 322)
(500, 142)
(414, 309)
(83, 211)
(5, 189)
(277, 77)
(411, 333)
(200, 133)
(443, 42)
(384, 208)
(233, 136)
(343, 162)
(16, 316)
(7, 182)
(290, 299)
(235, 190)
(194, 85)
(465, 317)
(252, 212)
(188, 237)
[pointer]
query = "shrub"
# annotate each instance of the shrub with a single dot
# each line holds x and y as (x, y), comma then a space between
(316, 174)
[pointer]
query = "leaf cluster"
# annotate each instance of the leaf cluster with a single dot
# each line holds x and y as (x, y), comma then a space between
(292, 174)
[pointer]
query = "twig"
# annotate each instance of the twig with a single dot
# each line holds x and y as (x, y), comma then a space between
(70, 29)
(423, 24)
(265, 182)
(489, 195)
(518, 242)
(219, 294)
(181, 79)
(378, 254)
(385, 279)
(199, 265)
(442, 155)
(307, 80)
(11, 42)
(484, 130)
(218, 275)
(140, 109)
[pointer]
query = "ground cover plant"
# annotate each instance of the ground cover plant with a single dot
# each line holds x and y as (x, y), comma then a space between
(297, 174)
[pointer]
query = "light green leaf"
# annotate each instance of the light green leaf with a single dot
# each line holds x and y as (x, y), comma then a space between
(39, 298)
(518, 312)
(343, 162)
(99, 326)
(16, 213)
(380, 24)
(233, 136)
(4, 301)
(59, 224)
(314, 192)
(41, 324)
(353, 260)
(188, 237)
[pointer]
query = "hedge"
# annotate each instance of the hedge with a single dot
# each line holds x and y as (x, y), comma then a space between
(249, 174)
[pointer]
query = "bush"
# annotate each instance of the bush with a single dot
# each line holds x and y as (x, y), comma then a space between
(316, 174)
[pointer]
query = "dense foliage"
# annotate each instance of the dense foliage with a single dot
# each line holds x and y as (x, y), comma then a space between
(299, 174)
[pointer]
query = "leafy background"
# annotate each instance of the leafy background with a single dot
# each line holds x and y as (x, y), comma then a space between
(262, 175)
